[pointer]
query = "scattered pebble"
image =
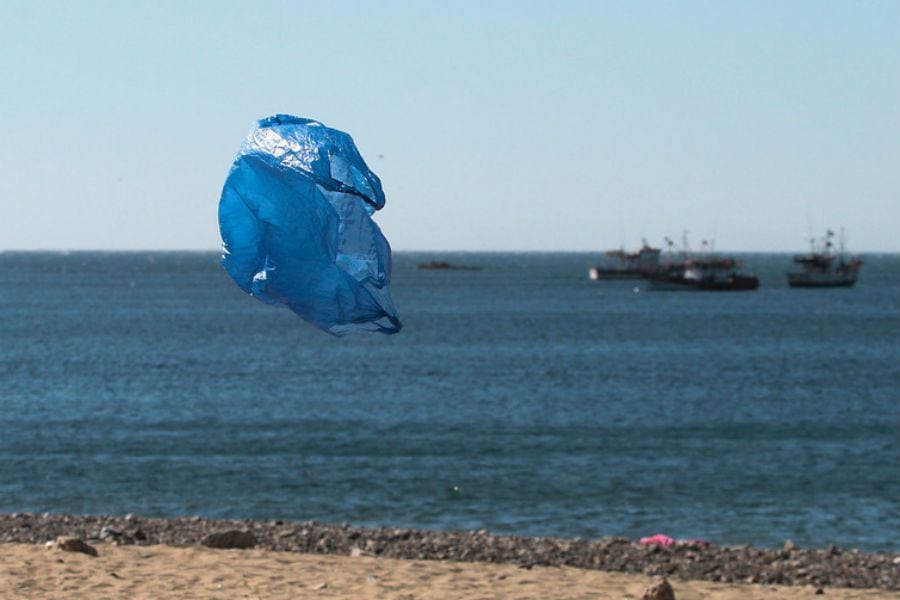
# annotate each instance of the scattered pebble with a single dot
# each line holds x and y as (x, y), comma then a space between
(788, 565)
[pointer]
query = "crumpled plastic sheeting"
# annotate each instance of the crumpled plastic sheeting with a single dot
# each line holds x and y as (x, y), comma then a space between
(295, 219)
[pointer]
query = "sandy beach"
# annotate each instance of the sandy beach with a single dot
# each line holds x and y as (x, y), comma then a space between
(193, 557)
(34, 571)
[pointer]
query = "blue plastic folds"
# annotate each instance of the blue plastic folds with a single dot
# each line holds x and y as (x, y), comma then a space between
(296, 225)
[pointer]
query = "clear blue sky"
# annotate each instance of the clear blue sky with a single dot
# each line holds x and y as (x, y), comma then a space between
(493, 125)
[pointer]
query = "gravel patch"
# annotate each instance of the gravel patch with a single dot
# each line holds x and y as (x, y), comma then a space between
(832, 566)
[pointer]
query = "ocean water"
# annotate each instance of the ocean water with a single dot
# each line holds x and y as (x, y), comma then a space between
(522, 398)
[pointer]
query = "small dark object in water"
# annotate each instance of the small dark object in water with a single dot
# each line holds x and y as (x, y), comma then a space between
(440, 264)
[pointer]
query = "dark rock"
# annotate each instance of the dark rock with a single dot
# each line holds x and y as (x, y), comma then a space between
(659, 591)
(73, 544)
(233, 538)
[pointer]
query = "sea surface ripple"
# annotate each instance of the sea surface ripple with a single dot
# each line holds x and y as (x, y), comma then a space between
(522, 398)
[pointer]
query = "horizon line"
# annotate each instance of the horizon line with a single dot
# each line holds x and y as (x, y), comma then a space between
(435, 251)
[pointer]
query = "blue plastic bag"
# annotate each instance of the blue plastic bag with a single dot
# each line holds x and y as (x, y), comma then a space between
(297, 231)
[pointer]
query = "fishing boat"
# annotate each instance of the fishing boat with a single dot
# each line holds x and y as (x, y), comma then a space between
(704, 271)
(825, 267)
(704, 274)
(444, 265)
(627, 265)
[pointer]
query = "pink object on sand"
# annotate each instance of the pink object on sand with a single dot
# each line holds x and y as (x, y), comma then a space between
(658, 540)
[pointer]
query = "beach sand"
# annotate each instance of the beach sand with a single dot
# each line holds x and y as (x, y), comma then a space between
(33, 571)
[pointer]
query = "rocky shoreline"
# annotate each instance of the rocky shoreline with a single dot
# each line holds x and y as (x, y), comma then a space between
(832, 566)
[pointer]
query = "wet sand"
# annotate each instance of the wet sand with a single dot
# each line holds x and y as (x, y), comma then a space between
(158, 571)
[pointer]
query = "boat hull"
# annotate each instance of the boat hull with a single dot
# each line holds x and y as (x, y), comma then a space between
(731, 284)
(805, 282)
(596, 274)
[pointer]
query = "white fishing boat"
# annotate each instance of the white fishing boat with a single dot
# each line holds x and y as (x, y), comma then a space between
(620, 264)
